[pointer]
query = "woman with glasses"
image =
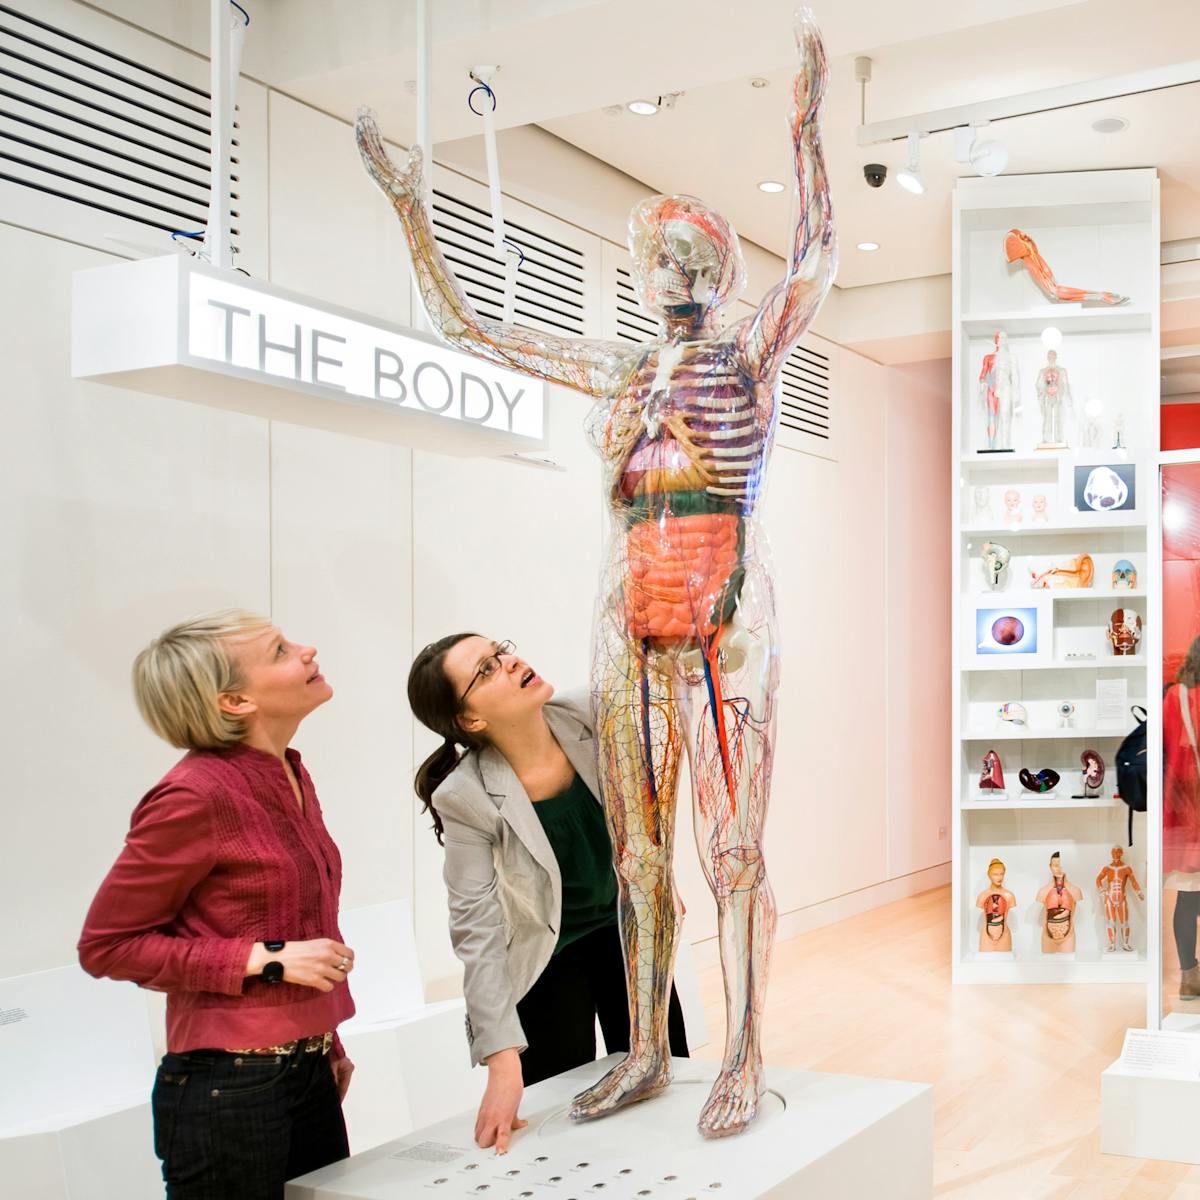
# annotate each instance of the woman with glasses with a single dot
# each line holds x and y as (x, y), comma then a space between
(514, 798)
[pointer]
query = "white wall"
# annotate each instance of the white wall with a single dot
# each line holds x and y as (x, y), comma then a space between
(127, 512)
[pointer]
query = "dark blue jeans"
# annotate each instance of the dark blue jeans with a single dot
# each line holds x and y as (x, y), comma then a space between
(237, 1127)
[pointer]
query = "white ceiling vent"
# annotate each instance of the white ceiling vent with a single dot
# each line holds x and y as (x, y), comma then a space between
(552, 282)
(805, 401)
(634, 323)
(82, 123)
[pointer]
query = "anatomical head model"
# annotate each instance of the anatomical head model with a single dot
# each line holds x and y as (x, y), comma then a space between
(1113, 883)
(1077, 573)
(1124, 631)
(1058, 899)
(685, 646)
(995, 936)
(1020, 247)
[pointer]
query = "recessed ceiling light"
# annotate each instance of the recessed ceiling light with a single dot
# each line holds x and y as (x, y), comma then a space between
(759, 82)
(868, 246)
(770, 185)
(643, 108)
(1110, 124)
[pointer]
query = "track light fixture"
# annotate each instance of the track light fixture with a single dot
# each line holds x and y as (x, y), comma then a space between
(909, 177)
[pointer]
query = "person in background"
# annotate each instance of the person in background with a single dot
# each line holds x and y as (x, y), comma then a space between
(226, 898)
(529, 870)
(1181, 814)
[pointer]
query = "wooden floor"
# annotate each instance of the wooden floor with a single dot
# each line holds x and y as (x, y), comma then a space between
(1016, 1070)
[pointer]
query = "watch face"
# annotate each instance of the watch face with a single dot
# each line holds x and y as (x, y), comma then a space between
(274, 947)
(273, 972)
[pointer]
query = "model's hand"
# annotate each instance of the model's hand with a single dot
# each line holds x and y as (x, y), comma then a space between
(813, 75)
(402, 187)
(321, 963)
(498, 1111)
(343, 1068)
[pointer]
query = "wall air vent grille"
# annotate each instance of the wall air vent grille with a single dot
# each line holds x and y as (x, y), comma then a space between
(805, 402)
(551, 284)
(85, 124)
(634, 323)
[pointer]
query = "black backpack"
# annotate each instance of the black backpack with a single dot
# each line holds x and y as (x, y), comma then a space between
(1131, 767)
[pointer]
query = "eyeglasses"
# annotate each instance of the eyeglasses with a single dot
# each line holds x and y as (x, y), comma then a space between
(489, 666)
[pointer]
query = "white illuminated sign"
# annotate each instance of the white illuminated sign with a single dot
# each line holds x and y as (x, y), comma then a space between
(244, 327)
(180, 328)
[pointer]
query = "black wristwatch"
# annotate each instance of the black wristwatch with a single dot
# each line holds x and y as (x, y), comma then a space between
(273, 971)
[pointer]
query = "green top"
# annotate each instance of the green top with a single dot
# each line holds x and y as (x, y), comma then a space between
(575, 828)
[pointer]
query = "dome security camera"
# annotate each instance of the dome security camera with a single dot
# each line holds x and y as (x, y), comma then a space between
(875, 174)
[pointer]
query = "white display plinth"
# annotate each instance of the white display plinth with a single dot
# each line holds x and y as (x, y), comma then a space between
(1149, 1097)
(837, 1137)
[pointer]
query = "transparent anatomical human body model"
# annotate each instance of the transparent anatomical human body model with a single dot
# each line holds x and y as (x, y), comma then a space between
(1020, 247)
(1058, 900)
(1054, 398)
(999, 388)
(1113, 884)
(685, 650)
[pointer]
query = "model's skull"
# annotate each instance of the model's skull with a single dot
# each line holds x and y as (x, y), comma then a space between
(1104, 490)
(1124, 574)
(1125, 631)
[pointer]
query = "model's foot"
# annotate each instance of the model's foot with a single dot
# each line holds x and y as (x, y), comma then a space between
(1110, 948)
(732, 1103)
(1126, 942)
(638, 1077)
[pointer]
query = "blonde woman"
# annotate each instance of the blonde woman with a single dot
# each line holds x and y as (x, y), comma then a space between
(226, 898)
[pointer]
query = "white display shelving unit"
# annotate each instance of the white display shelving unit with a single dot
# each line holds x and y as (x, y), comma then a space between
(1095, 230)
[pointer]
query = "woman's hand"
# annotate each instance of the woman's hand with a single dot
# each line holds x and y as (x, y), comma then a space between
(498, 1111)
(343, 1068)
(321, 963)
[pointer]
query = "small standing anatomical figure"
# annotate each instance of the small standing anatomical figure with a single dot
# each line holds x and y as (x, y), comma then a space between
(991, 779)
(1058, 898)
(1054, 399)
(1021, 247)
(1124, 631)
(685, 652)
(997, 902)
(999, 388)
(1113, 883)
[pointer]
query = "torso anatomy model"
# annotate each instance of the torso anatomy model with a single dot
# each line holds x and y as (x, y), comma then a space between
(685, 641)
(1113, 883)
(997, 902)
(1058, 898)
(998, 389)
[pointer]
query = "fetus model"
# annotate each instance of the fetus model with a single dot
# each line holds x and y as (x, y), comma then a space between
(1058, 900)
(1113, 885)
(996, 901)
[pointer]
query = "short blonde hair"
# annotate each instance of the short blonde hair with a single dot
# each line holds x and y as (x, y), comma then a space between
(178, 677)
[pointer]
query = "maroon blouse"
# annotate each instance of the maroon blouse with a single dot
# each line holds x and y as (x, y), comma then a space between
(220, 856)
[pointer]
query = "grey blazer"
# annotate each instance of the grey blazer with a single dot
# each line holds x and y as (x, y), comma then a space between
(504, 886)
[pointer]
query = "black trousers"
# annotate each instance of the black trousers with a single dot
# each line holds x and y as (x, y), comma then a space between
(237, 1127)
(1187, 910)
(583, 982)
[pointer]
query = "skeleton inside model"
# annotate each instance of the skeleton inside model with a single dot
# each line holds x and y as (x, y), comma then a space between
(999, 390)
(685, 642)
(1054, 397)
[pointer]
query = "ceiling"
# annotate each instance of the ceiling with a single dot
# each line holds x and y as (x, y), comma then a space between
(563, 62)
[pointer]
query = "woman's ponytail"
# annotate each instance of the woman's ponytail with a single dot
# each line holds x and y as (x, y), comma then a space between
(434, 703)
(430, 776)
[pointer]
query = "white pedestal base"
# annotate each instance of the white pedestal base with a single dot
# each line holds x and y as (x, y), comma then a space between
(837, 1137)
(1147, 1116)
